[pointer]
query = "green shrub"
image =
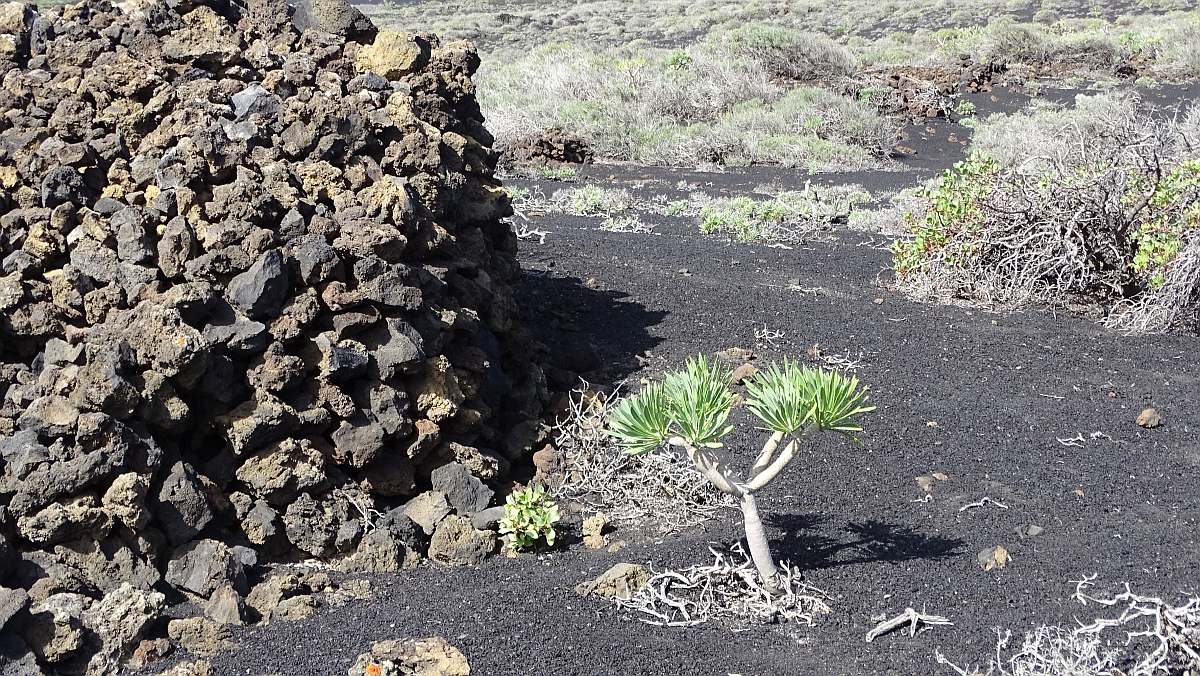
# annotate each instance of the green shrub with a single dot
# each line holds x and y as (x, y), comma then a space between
(529, 516)
(1117, 233)
(557, 173)
(790, 53)
(516, 195)
(587, 201)
(679, 59)
(954, 214)
(1172, 219)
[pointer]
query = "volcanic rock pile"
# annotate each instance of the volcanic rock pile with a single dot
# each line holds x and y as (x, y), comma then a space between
(255, 291)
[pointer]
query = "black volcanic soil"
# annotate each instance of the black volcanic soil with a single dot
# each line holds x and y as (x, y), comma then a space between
(983, 398)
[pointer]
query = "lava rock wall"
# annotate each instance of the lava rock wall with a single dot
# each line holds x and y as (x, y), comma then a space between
(255, 289)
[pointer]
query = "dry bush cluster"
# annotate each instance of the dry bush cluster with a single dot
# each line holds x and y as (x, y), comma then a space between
(662, 491)
(871, 29)
(719, 101)
(710, 104)
(1098, 208)
(790, 53)
(729, 590)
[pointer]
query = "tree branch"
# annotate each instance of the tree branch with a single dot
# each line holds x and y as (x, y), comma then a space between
(764, 458)
(714, 471)
(764, 476)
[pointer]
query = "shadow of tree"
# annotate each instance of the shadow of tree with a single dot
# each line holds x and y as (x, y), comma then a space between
(591, 332)
(810, 544)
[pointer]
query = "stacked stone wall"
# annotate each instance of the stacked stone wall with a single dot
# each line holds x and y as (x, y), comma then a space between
(256, 287)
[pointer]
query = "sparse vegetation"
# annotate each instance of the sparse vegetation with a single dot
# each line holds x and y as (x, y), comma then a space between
(790, 217)
(718, 106)
(587, 201)
(677, 208)
(563, 173)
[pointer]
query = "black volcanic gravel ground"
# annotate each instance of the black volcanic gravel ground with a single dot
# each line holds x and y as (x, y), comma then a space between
(982, 398)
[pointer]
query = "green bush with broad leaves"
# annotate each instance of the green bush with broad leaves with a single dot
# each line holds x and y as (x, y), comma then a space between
(1174, 216)
(529, 516)
(953, 207)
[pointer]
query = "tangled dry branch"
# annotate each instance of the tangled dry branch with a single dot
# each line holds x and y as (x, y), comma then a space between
(1108, 223)
(661, 489)
(1160, 638)
(729, 589)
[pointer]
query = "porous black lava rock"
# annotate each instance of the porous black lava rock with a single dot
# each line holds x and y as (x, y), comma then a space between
(256, 288)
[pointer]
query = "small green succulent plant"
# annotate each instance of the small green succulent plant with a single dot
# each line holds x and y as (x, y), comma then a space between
(529, 515)
(689, 410)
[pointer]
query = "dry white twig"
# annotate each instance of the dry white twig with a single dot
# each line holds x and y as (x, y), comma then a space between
(369, 513)
(525, 232)
(1076, 440)
(984, 501)
(729, 588)
(961, 671)
(844, 362)
(909, 617)
(1172, 633)
(766, 336)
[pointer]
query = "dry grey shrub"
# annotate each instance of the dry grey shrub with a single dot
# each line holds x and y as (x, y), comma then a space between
(1009, 41)
(660, 491)
(1048, 135)
(1059, 220)
(790, 53)
(1187, 134)
(890, 217)
(1178, 53)
(721, 82)
(705, 105)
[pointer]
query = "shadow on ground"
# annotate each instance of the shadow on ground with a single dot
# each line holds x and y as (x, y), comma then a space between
(591, 332)
(810, 542)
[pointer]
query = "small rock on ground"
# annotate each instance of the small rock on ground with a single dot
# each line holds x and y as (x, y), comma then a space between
(1149, 418)
(197, 668)
(622, 580)
(993, 557)
(593, 527)
(420, 657)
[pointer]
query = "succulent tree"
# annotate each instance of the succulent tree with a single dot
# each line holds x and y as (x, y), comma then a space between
(689, 410)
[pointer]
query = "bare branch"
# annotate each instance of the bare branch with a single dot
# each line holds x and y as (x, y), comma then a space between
(728, 589)
(909, 617)
(764, 458)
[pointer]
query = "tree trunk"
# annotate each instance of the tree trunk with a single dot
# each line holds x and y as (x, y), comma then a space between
(760, 551)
